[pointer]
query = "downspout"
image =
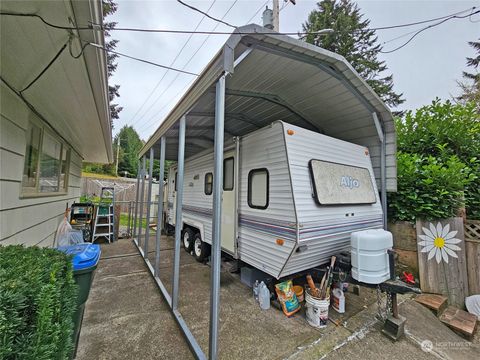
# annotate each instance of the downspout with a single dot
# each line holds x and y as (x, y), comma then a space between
(237, 191)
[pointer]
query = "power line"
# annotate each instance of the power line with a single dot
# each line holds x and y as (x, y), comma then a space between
(426, 28)
(99, 27)
(186, 64)
(142, 60)
(424, 21)
(260, 8)
(171, 64)
(205, 14)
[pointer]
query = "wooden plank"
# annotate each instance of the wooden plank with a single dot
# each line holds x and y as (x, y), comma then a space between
(442, 261)
(434, 302)
(472, 250)
(459, 320)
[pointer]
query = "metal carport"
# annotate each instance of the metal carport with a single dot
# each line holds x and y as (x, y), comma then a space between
(256, 78)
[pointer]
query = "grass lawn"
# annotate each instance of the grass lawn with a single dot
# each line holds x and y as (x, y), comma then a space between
(124, 221)
(98, 176)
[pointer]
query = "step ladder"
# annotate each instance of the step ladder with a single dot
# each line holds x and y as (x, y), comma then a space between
(104, 225)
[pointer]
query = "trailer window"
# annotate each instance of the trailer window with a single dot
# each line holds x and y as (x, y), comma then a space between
(175, 181)
(208, 183)
(228, 174)
(258, 188)
(338, 184)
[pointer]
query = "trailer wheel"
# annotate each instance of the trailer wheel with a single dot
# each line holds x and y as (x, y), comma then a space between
(187, 239)
(201, 249)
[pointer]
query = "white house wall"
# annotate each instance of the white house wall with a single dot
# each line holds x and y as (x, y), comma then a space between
(29, 221)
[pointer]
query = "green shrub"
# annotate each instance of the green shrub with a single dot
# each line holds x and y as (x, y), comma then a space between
(438, 166)
(428, 188)
(37, 302)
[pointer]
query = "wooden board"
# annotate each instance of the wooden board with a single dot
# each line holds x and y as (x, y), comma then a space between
(460, 321)
(472, 249)
(440, 271)
(434, 302)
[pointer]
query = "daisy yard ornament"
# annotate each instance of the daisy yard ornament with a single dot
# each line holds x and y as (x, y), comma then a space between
(439, 242)
(442, 261)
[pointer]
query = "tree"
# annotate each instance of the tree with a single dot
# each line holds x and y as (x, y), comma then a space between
(471, 85)
(109, 8)
(352, 39)
(130, 145)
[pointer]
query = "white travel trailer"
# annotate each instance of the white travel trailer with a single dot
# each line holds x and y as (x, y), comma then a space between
(291, 198)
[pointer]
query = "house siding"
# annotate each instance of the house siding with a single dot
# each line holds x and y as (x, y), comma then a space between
(28, 221)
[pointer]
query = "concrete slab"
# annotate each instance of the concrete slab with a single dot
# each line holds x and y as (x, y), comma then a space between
(126, 317)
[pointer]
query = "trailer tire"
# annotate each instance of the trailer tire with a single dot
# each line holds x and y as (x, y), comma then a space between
(188, 237)
(201, 250)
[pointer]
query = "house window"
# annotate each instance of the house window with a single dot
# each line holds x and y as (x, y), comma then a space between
(228, 174)
(46, 163)
(208, 183)
(258, 188)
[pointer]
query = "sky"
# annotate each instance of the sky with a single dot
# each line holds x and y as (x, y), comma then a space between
(426, 68)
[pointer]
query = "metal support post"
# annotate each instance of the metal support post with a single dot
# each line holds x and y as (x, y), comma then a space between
(142, 199)
(160, 205)
(217, 217)
(383, 166)
(137, 194)
(178, 215)
(149, 202)
(383, 161)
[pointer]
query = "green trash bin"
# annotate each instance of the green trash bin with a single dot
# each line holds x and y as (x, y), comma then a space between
(85, 261)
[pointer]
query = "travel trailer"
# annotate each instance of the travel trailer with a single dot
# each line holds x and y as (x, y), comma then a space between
(291, 198)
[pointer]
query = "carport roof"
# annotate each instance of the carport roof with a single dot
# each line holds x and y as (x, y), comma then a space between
(276, 77)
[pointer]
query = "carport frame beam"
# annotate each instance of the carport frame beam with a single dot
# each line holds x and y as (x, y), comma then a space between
(216, 255)
(137, 194)
(149, 202)
(142, 199)
(161, 185)
(179, 212)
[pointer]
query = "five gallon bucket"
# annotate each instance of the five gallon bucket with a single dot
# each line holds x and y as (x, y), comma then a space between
(316, 310)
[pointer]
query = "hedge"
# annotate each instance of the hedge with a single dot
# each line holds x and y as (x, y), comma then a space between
(37, 302)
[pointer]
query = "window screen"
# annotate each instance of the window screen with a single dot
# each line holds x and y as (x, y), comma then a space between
(337, 184)
(228, 174)
(258, 188)
(30, 170)
(208, 183)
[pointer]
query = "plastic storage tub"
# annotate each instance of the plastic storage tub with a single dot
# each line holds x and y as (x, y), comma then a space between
(84, 261)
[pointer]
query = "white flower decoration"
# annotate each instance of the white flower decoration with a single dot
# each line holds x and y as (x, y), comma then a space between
(439, 242)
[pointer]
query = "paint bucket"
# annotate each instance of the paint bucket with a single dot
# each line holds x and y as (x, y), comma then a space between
(299, 292)
(316, 310)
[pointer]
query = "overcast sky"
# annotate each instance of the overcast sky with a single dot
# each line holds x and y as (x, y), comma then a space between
(426, 68)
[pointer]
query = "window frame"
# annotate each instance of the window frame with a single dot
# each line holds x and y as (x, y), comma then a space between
(233, 173)
(205, 184)
(27, 192)
(249, 188)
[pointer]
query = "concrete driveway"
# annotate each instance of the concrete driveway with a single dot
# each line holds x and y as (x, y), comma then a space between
(126, 317)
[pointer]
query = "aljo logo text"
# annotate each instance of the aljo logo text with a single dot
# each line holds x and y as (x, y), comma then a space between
(349, 182)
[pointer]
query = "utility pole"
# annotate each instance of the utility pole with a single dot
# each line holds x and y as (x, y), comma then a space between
(276, 16)
(118, 151)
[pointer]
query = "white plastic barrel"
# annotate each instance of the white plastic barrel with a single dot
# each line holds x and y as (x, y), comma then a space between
(369, 255)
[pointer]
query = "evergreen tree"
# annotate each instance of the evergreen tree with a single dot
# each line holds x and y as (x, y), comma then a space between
(471, 86)
(109, 8)
(130, 145)
(352, 39)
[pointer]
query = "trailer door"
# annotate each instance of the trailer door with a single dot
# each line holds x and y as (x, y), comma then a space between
(228, 203)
